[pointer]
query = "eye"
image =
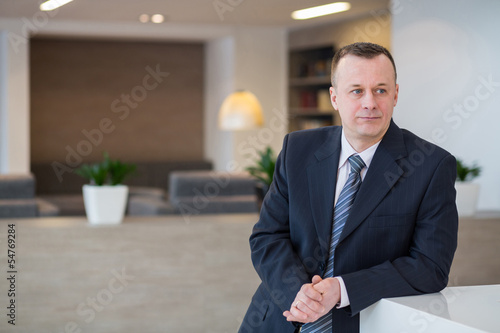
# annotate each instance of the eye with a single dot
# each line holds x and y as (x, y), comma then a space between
(381, 91)
(357, 91)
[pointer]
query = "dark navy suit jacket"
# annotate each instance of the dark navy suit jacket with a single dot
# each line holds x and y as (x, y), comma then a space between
(399, 239)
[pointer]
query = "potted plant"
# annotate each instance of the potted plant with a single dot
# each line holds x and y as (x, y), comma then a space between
(263, 170)
(105, 198)
(467, 191)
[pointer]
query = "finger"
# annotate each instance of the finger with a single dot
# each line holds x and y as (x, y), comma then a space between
(327, 286)
(310, 306)
(297, 310)
(331, 292)
(290, 317)
(312, 309)
(310, 292)
(316, 279)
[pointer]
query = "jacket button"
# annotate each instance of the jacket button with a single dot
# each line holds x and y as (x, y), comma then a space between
(322, 266)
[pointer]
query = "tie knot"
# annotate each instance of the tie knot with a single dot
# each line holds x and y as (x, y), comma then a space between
(356, 163)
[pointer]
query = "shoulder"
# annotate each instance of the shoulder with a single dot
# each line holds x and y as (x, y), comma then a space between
(420, 148)
(301, 147)
(402, 143)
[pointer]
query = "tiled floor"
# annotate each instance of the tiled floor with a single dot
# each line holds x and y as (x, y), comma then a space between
(147, 275)
(165, 274)
(477, 259)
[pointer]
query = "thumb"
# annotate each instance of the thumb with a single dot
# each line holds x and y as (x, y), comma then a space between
(316, 279)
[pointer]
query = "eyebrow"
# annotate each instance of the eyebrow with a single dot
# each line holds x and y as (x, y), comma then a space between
(381, 84)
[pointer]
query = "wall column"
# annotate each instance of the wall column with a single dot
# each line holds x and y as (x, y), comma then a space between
(14, 99)
(254, 59)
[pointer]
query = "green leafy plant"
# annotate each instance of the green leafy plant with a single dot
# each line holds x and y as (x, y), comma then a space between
(467, 173)
(263, 170)
(107, 172)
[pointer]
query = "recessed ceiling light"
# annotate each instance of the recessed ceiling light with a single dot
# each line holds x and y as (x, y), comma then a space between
(53, 4)
(144, 18)
(157, 18)
(328, 9)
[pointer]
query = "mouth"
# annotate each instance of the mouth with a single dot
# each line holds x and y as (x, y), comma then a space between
(369, 118)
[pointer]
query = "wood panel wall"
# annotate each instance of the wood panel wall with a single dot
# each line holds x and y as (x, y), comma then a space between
(139, 101)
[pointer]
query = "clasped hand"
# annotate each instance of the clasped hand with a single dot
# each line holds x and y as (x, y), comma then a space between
(314, 300)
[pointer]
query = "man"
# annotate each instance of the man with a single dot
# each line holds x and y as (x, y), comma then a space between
(390, 196)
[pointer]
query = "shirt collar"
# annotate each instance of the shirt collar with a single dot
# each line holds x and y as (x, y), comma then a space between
(346, 151)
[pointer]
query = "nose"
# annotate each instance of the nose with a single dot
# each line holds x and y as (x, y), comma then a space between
(368, 102)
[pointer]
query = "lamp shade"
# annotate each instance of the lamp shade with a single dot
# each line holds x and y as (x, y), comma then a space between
(240, 111)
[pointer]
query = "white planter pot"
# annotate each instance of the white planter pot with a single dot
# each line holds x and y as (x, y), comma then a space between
(105, 204)
(467, 194)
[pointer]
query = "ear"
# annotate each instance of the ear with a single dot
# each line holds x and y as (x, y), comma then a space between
(396, 95)
(333, 98)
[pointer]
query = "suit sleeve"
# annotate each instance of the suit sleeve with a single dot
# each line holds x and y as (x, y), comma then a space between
(426, 267)
(273, 256)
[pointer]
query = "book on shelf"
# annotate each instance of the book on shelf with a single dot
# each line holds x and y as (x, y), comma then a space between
(308, 99)
(324, 103)
(314, 68)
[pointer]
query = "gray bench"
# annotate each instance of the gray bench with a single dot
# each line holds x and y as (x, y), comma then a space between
(211, 192)
(17, 198)
(201, 192)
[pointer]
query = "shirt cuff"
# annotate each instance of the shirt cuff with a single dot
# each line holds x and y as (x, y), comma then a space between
(344, 298)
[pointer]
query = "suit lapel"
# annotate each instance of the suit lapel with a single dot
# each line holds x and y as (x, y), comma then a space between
(383, 173)
(322, 177)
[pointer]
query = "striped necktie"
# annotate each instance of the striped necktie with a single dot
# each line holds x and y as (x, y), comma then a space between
(341, 212)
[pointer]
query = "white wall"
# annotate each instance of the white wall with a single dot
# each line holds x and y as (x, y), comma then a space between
(219, 82)
(3, 101)
(14, 94)
(257, 60)
(447, 53)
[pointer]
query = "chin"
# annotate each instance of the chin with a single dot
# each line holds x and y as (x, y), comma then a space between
(371, 132)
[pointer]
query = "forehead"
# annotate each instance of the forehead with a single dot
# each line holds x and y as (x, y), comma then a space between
(354, 69)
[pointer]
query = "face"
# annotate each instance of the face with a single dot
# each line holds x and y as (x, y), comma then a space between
(365, 96)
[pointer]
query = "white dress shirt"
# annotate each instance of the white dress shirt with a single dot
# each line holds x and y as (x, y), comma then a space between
(346, 151)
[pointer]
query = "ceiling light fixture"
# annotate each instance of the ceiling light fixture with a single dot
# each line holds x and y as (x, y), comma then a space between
(157, 18)
(53, 4)
(323, 10)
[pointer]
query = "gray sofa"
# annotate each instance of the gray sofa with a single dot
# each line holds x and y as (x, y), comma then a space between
(17, 198)
(206, 192)
(201, 192)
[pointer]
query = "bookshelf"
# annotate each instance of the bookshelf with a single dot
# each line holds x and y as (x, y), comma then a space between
(309, 82)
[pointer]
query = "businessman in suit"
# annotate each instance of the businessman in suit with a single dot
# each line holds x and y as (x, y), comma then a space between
(322, 260)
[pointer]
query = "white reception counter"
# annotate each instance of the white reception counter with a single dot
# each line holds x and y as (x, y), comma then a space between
(454, 310)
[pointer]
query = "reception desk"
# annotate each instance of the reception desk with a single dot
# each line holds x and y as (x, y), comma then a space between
(455, 309)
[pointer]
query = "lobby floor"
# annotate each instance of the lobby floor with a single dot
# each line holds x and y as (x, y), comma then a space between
(162, 274)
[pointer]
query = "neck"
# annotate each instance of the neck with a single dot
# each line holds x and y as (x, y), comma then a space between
(361, 145)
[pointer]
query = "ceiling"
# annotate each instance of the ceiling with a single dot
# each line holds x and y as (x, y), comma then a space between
(228, 12)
